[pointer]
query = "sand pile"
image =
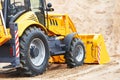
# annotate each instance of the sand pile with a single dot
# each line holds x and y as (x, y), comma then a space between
(94, 16)
(89, 16)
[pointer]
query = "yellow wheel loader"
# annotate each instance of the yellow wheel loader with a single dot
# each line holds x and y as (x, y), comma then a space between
(31, 38)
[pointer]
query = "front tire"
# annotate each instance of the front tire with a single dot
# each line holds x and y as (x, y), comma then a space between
(75, 57)
(34, 52)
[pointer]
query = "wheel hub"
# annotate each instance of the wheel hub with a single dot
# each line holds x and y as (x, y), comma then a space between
(79, 53)
(34, 52)
(37, 52)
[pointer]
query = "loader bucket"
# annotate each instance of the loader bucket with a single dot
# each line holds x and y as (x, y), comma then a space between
(96, 51)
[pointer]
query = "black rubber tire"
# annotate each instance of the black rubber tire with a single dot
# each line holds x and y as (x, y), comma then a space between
(73, 53)
(28, 68)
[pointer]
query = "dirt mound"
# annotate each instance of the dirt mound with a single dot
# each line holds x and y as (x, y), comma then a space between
(89, 16)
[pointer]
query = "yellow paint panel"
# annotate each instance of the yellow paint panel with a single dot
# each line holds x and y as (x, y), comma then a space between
(60, 24)
(96, 51)
(26, 20)
(4, 38)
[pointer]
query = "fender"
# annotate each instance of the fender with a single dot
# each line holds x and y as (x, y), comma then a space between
(68, 40)
(22, 26)
(25, 20)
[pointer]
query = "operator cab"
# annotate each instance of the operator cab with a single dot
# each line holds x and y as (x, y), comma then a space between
(12, 9)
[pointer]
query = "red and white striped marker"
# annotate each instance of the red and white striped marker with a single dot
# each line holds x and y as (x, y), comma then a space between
(17, 43)
(99, 51)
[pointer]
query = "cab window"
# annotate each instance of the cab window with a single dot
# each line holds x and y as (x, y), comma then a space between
(16, 6)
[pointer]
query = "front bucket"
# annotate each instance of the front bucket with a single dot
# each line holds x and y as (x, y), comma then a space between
(96, 51)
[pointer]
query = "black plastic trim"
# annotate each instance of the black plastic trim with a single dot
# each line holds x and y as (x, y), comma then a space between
(68, 40)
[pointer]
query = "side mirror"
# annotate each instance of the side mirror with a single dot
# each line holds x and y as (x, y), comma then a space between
(49, 7)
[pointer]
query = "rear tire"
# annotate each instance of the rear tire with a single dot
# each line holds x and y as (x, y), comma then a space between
(34, 52)
(75, 57)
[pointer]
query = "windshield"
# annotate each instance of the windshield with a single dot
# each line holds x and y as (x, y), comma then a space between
(35, 5)
(17, 2)
(16, 6)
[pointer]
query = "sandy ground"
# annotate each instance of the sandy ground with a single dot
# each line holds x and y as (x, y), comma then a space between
(89, 16)
(110, 71)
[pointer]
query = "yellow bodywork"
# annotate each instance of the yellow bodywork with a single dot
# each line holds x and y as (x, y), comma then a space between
(4, 37)
(26, 20)
(96, 51)
(60, 24)
(4, 33)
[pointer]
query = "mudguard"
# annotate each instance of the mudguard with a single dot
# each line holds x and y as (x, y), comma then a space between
(68, 40)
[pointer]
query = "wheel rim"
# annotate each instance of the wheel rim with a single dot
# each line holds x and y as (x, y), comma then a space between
(79, 53)
(39, 45)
